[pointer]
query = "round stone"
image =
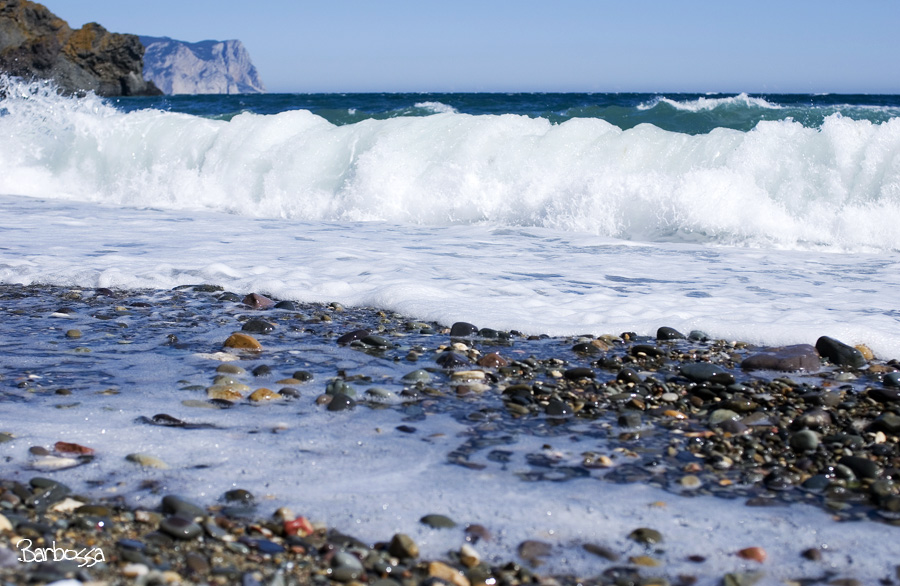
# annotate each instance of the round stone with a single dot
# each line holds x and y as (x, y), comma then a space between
(804, 441)
(341, 402)
(241, 341)
(645, 536)
(438, 521)
(180, 528)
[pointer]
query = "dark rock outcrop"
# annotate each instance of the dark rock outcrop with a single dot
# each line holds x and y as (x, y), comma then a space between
(35, 43)
(207, 67)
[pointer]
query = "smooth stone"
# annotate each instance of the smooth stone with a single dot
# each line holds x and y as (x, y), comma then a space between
(449, 360)
(223, 393)
(698, 336)
(892, 379)
(240, 341)
(341, 402)
(258, 326)
(403, 547)
(815, 418)
(417, 376)
(262, 370)
(884, 395)
(462, 329)
(438, 521)
(700, 372)
(352, 337)
(239, 495)
(180, 528)
(666, 333)
(646, 536)
(257, 301)
(862, 467)
(230, 369)
(492, 360)
(286, 305)
(628, 375)
(578, 373)
(304, 376)
(600, 551)
(532, 550)
(839, 353)
(690, 482)
(376, 341)
(74, 334)
(175, 505)
(887, 422)
(786, 359)
(804, 441)
(146, 461)
(263, 394)
(720, 416)
(346, 567)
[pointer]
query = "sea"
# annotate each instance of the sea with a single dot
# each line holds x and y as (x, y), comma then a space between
(765, 219)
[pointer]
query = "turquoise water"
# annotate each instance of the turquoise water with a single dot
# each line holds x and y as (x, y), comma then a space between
(686, 113)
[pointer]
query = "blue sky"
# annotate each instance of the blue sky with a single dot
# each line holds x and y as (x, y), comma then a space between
(524, 45)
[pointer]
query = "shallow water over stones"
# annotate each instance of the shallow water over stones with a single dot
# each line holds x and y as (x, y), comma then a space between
(677, 413)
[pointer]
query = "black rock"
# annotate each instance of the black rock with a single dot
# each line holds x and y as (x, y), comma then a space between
(701, 372)
(452, 360)
(462, 329)
(352, 337)
(288, 305)
(839, 353)
(862, 467)
(628, 375)
(578, 373)
(262, 370)
(665, 333)
(892, 379)
(341, 402)
(258, 326)
(884, 395)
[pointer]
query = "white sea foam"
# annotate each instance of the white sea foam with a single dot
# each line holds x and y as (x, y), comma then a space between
(780, 185)
(703, 103)
(436, 107)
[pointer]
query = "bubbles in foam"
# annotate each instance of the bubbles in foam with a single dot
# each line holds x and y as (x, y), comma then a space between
(703, 103)
(781, 184)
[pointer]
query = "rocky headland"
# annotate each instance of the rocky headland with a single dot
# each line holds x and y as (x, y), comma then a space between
(35, 43)
(207, 67)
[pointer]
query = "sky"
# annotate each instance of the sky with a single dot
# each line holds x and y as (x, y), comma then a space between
(764, 46)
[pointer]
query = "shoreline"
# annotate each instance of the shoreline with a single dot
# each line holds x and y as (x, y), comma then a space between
(677, 413)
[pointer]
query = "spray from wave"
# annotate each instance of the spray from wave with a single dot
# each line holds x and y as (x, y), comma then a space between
(781, 184)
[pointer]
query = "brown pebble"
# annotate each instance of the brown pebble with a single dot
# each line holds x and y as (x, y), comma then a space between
(492, 360)
(757, 554)
(263, 394)
(476, 532)
(70, 448)
(240, 341)
(257, 301)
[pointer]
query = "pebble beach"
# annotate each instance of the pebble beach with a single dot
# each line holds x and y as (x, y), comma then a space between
(163, 482)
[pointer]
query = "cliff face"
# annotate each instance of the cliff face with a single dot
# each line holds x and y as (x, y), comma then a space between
(207, 67)
(35, 43)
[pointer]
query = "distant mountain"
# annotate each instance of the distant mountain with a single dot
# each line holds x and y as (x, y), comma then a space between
(35, 43)
(207, 67)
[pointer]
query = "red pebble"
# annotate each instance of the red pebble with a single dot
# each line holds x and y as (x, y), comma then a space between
(299, 526)
(69, 448)
(757, 554)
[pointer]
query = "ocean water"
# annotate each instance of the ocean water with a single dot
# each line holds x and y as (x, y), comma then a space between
(765, 219)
